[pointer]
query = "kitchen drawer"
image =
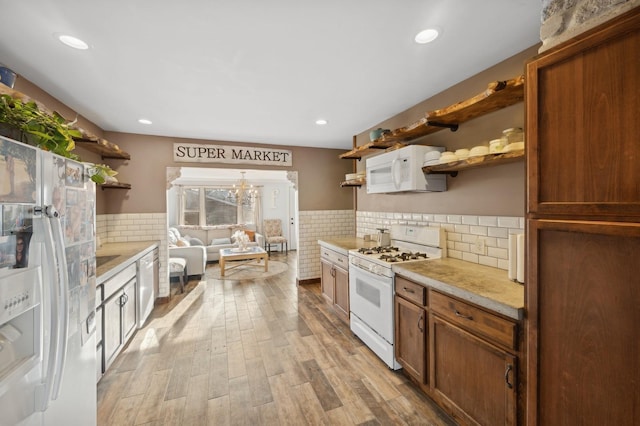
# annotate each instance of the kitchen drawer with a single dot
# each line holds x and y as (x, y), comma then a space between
(120, 279)
(474, 319)
(334, 257)
(411, 291)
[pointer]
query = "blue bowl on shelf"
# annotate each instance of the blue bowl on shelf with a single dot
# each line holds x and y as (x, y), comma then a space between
(7, 77)
(377, 133)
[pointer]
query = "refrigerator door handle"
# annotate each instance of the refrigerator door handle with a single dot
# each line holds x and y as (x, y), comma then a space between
(63, 294)
(53, 305)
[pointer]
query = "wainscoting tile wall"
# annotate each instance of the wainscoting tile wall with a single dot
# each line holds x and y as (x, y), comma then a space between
(119, 228)
(462, 233)
(315, 225)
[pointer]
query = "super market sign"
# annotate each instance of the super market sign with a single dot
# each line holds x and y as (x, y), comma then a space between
(200, 153)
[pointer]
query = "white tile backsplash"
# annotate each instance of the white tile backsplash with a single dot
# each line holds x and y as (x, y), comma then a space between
(509, 222)
(462, 232)
(118, 228)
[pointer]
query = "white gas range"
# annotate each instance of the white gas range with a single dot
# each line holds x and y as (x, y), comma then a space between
(371, 284)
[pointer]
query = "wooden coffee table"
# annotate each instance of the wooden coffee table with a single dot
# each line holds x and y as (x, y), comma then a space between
(251, 255)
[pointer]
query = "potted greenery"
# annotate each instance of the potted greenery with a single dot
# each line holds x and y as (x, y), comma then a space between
(25, 122)
(101, 173)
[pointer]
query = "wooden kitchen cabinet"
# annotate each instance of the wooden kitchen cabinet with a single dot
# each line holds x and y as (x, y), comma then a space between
(327, 283)
(411, 328)
(583, 228)
(473, 362)
(472, 379)
(341, 300)
(335, 281)
(463, 356)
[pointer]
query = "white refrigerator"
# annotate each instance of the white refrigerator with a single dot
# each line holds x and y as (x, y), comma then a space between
(47, 289)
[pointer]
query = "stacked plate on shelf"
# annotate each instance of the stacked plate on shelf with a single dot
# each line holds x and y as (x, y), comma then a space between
(355, 176)
(448, 157)
(431, 158)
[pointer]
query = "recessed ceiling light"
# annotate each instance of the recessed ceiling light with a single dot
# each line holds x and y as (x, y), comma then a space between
(144, 121)
(427, 36)
(321, 122)
(74, 42)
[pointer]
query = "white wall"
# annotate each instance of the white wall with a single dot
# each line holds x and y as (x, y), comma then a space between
(275, 205)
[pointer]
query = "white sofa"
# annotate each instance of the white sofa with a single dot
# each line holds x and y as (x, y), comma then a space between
(216, 238)
(196, 256)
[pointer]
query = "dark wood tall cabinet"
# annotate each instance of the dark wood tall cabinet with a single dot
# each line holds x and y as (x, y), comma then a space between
(583, 228)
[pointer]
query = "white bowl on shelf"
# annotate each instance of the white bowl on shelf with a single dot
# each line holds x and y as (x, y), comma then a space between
(495, 146)
(351, 176)
(432, 155)
(447, 157)
(516, 146)
(479, 150)
(462, 153)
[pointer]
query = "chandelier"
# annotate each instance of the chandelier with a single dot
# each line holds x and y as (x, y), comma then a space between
(243, 193)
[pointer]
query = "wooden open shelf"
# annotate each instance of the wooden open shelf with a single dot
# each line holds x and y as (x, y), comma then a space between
(116, 185)
(498, 95)
(355, 182)
(103, 147)
(370, 148)
(475, 162)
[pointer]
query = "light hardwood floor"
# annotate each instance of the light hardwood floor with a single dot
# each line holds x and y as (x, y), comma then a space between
(261, 352)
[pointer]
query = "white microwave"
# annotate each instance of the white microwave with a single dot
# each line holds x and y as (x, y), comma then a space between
(401, 171)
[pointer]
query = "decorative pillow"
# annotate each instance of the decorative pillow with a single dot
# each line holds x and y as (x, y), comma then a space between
(219, 241)
(173, 236)
(182, 242)
(250, 234)
(195, 241)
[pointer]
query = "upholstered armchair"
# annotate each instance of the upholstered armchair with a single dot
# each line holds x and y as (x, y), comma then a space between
(272, 229)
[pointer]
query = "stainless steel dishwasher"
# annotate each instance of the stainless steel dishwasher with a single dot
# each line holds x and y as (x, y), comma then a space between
(147, 277)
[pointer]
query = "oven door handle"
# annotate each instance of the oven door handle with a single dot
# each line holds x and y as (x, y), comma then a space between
(369, 273)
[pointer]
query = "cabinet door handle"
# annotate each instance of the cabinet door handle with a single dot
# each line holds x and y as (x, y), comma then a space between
(458, 314)
(408, 290)
(506, 376)
(121, 301)
(420, 322)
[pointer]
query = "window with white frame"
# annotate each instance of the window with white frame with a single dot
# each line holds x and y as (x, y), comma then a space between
(209, 206)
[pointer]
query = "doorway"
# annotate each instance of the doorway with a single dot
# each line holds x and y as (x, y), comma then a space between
(279, 192)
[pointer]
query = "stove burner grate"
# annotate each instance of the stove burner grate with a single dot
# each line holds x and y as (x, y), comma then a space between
(402, 257)
(377, 250)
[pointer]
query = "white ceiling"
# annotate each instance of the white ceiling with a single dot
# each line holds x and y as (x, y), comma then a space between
(256, 70)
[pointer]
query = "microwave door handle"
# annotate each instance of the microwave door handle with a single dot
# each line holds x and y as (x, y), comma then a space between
(395, 176)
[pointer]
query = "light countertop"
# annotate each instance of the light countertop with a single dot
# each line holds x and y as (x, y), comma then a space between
(124, 253)
(344, 244)
(483, 285)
